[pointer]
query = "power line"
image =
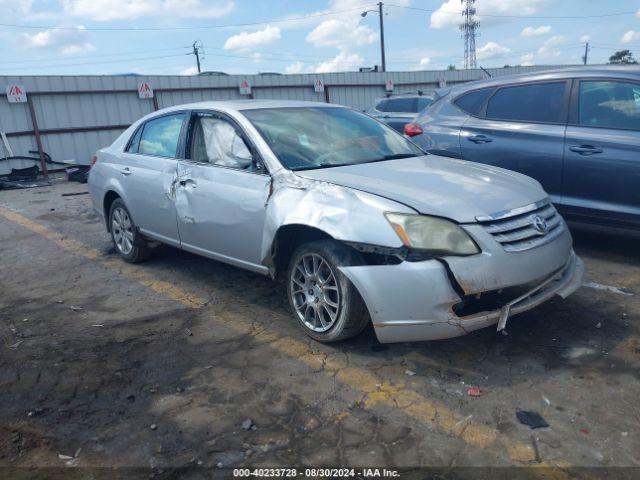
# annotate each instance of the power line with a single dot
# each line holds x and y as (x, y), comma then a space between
(121, 55)
(162, 29)
(547, 17)
(102, 62)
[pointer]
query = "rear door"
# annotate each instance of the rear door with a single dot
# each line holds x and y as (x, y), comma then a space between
(221, 192)
(521, 127)
(149, 174)
(602, 153)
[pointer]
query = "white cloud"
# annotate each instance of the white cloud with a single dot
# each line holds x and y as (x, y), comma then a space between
(342, 33)
(297, 67)
(250, 40)
(189, 71)
(67, 41)
(107, 10)
(422, 64)
(343, 61)
(630, 36)
(448, 14)
(526, 59)
(638, 13)
(340, 63)
(535, 32)
(585, 38)
(490, 50)
(550, 45)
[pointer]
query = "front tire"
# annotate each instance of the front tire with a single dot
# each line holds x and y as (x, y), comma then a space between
(326, 304)
(129, 244)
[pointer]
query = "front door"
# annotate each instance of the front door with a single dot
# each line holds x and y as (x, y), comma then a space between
(521, 128)
(149, 175)
(221, 193)
(602, 153)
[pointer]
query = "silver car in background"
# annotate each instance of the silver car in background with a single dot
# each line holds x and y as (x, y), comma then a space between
(399, 110)
(360, 223)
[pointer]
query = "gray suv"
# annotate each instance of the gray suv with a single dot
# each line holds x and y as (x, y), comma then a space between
(576, 131)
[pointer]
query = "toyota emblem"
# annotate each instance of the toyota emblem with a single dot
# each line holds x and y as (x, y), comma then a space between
(540, 225)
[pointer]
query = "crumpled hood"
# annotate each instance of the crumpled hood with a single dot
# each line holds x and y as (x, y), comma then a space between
(435, 185)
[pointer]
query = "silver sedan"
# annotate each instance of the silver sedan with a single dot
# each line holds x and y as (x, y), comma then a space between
(362, 225)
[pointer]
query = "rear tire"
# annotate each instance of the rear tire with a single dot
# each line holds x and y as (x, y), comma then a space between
(324, 301)
(130, 245)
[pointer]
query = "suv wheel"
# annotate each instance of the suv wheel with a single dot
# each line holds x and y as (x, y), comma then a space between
(130, 245)
(323, 300)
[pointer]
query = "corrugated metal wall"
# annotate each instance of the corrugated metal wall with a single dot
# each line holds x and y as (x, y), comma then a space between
(77, 115)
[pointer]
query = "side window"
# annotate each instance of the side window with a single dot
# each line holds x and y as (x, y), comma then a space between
(135, 141)
(538, 102)
(609, 104)
(472, 102)
(215, 140)
(160, 136)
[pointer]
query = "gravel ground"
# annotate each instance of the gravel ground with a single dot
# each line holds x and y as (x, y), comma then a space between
(183, 362)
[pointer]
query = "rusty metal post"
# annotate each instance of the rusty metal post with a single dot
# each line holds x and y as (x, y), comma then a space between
(36, 131)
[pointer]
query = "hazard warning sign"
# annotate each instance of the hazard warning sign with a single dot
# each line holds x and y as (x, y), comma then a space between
(145, 90)
(245, 87)
(16, 94)
(318, 85)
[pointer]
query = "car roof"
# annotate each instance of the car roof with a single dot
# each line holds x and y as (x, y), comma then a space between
(246, 104)
(604, 71)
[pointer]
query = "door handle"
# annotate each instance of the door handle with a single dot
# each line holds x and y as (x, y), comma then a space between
(125, 171)
(479, 139)
(585, 149)
(188, 181)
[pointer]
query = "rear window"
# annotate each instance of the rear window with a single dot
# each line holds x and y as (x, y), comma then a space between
(472, 102)
(397, 105)
(538, 102)
(422, 103)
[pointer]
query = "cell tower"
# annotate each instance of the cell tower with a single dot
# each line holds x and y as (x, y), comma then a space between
(468, 28)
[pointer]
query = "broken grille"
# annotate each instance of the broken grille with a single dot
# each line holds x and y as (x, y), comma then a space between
(526, 227)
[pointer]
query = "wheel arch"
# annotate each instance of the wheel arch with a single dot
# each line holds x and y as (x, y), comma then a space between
(109, 197)
(287, 239)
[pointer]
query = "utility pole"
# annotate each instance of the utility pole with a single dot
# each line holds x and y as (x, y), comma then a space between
(196, 52)
(384, 65)
(468, 28)
(586, 53)
(380, 13)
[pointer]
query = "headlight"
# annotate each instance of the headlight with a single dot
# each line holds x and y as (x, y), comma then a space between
(434, 234)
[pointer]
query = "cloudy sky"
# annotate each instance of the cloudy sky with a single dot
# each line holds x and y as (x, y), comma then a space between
(288, 36)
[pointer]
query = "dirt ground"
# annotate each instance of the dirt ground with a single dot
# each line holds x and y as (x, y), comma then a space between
(186, 362)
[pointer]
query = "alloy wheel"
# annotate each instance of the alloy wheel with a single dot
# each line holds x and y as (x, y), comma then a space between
(315, 292)
(122, 230)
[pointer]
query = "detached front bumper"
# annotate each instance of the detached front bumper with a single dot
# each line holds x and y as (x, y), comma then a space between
(414, 301)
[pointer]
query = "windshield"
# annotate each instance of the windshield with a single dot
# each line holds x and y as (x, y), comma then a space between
(305, 138)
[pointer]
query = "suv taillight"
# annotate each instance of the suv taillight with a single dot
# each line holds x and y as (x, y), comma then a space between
(412, 129)
(94, 159)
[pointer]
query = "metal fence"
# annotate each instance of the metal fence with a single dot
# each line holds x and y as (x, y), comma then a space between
(70, 117)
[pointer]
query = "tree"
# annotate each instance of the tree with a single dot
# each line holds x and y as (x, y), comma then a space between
(622, 57)
(451, 67)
